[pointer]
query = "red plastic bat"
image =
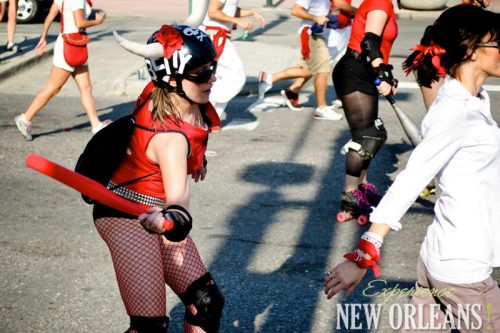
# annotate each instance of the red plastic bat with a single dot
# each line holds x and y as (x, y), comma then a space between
(84, 185)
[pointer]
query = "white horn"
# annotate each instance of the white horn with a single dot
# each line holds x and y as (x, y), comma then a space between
(198, 12)
(153, 50)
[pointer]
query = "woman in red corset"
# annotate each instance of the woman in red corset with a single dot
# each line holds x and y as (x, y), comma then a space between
(173, 120)
(374, 30)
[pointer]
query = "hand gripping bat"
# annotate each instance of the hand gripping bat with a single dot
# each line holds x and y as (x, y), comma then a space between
(85, 186)
(410, 128)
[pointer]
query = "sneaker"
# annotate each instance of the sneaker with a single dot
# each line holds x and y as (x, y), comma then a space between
(337, 104)
(327, 113)
(23, 126)
(265, 83)
(101, 125)
(291, 100)
(11, 47)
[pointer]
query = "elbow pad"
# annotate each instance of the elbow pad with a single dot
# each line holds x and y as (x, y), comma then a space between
(182, 223)
(370, 46)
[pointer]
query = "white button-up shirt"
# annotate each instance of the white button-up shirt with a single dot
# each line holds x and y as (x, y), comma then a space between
(461, 146)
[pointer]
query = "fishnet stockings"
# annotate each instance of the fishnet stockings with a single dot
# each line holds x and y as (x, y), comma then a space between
(144, 262)
(361, 110)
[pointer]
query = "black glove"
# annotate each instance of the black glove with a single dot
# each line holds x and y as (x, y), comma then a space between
(384, 73)
(333, 22)
(182, 223)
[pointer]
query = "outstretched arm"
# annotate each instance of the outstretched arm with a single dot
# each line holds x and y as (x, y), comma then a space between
(242, 12)
(347, 275)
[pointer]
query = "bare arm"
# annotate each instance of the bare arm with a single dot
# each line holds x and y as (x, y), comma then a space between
(375, 23)
(170, 151)
(82, 23)
(302, 13)
(42, 43)
(347, 275)
(215, 12)
(242, 12)
(345, 6)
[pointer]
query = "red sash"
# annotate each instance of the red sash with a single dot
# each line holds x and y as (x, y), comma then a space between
(304, 42)
(219, 39)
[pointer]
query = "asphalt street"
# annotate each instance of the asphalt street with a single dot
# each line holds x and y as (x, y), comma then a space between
(264, 219)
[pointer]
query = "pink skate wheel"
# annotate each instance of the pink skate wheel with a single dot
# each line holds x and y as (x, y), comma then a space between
(362, 220)
(342, 217)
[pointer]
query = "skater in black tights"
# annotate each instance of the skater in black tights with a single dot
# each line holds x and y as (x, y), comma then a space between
(374, 29)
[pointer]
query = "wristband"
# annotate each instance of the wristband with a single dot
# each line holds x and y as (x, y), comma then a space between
(369, 248)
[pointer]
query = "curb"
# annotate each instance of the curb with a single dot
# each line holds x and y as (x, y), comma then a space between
(25, 61)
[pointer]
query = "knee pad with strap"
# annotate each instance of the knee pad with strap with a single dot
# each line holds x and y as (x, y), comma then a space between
(148, 324)
(209, 302)
(367, 141)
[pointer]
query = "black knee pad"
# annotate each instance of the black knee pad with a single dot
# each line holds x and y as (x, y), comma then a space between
(209, 302)
(148, 324)
(368, 141)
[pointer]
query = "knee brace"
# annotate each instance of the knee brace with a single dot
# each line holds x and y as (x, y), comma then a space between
(209, 302)
(148, 324)
(367, 141)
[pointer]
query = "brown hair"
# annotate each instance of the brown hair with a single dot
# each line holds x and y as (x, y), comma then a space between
(457, 30)
(163, 105)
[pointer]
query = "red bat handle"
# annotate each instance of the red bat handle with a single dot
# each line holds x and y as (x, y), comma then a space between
(85, 185)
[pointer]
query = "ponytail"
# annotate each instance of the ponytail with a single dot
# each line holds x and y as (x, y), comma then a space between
(426, 60)
(450, 41)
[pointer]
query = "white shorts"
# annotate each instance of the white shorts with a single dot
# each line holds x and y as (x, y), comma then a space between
(337, 40)
(58, 58)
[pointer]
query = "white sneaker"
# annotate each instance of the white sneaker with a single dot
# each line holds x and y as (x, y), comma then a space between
(101, 125)
(23, 126)
(327, 113)
(337, 103)
(265, 83)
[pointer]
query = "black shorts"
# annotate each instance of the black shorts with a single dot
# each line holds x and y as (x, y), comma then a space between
(350, 75)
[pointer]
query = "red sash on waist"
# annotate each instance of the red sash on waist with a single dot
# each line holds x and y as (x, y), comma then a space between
(304, 42)
(219, 39)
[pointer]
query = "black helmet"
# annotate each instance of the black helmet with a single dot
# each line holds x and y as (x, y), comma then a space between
(184, 48)
(173, 51)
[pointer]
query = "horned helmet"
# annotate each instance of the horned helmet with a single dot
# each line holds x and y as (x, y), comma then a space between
(172, 52)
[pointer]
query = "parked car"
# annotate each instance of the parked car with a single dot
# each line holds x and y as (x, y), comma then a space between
(32, 10)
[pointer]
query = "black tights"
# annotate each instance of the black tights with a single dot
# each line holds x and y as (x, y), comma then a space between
(361, 110)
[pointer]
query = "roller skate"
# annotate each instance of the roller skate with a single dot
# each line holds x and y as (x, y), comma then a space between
(354, 205)
(371, 192)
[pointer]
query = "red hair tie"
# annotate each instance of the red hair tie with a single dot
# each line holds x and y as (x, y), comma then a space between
(435, 51)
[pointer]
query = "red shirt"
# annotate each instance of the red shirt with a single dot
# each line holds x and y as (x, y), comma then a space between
(137, 163)
(389, 33)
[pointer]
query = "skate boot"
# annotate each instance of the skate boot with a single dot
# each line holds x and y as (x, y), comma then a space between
(354, 205)
(371, 192)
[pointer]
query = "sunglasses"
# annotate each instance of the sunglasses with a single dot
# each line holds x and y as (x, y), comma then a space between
(202, 76)
(489, 44)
